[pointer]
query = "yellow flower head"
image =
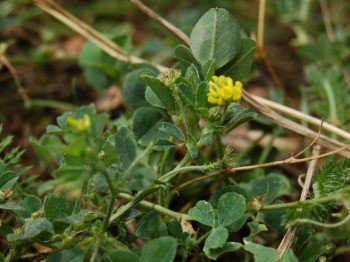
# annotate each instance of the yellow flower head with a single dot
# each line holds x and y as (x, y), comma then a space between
(222, 90)
(81, 124)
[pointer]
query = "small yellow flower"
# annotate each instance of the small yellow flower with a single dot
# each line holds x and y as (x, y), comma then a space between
(81, 124)
(222, 90)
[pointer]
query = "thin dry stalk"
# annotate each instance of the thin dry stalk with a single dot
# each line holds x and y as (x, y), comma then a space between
(115, 51)
(91, 34)
(291, 125)
(261, 23)
(287, 240)
(261, 53)
(160, 20)
(234, 170)
(301, 116)
(20, 88)
(327, 21)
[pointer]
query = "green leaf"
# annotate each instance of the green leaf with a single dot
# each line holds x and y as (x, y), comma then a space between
(123, 255)
(134, 89)
(238, 116)
(276, 218)
(7, 179)
(240, 66)
(311, 246)
(162, 145)
(192, 150)
(151, 226)
(231, 207)
(69, 172)
(153, 99)
(172, 130)
(187, 94)
(146, 125)
(261, 253)
(273, 185)
(206, 139)
(126, 146)
(214, 200)
(216, 36)
(256, 228)
(71, 255)
(216, 239)
(57, 207)
(35, 228)
(328, 95)
(141, 178)
(208, 70)
(237, 225)
(162, 249)
(227, 247)
(30, 205)
(193, 78)
(333, 176)
(47, 148)
(289, 257)
(202, 96)
(184, 54)
(203, 212)
(161, 91)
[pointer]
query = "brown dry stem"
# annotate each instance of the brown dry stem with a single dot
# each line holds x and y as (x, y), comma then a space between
(290, 234)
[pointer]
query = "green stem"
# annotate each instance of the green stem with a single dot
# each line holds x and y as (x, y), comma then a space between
(111, 202)
(316, 223)
(220, 147)
(266, 151)
(164, 161)
(203, 237)
(177, 98)
(127, 207)
(163, 210)
(296, 204)
(168, 176)
(82, 192)
(50, 104)
(96, 251)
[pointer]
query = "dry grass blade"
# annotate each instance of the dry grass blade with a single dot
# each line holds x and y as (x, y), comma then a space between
(291, 125)
(21, 90)
(289, 236)
(91, 34)
(299, 115)
(173, 29)
(115, 51)
(290, 160)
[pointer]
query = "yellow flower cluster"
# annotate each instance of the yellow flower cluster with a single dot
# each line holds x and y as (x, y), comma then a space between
(80, 125)
(222, 90)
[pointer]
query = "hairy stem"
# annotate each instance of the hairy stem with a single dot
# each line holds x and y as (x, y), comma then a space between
(296, 204)
(111, 202)
(127, 207)
(163, 210)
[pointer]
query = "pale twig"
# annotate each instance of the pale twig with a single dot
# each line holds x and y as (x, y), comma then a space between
(327, 21)
(21, 90)
(290, 234)
(301, 116)
(311, 144)
(91, 34)
(290, 160)
(261, 23)
(261, 53)
(291, 125)
(112, 49)
(173, 29)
